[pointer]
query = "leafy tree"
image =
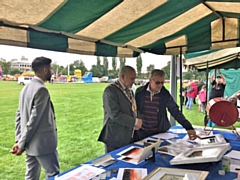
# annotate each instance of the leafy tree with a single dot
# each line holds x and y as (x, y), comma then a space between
(187, 75)
(139, 65)
(55, 67)
(6, 67)
(79, 64)
(62, 70)
(105, 64)
(194, 74)
(98, 61)
(149, 69)
(114, 63)
(82, 67)
(97, 71)
(113, 74)
(167, 70)
(122, 62)
(14, 71)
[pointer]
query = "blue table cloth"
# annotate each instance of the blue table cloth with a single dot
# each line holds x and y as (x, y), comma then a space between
(162, 160)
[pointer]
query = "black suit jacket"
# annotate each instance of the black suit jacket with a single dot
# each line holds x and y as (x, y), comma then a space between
(119, 119)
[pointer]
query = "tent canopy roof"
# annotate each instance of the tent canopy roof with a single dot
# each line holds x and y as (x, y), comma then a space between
(121, 28)
(222, 59)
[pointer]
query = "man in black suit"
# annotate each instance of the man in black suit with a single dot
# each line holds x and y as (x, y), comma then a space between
(120, 116)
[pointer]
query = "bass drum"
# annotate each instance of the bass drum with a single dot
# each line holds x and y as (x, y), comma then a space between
(222, 112)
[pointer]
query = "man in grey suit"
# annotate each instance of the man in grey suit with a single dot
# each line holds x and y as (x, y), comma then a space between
(36, 131)
(120, 118)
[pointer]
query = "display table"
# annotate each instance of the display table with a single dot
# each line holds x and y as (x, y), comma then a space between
(162, 160)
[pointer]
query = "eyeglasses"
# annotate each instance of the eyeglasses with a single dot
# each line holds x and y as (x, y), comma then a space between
(158, 82)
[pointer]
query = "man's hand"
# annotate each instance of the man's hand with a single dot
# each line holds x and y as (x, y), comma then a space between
(219, 71)
(192, 134)
(138, 124)
(16, 150)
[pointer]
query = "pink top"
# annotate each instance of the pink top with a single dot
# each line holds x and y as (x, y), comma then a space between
(194, 93)
(202, 95)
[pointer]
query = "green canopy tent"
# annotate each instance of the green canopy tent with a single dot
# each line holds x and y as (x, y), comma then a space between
(222, 59)
(120, 27)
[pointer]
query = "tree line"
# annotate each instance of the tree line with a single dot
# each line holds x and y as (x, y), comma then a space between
(105, 69)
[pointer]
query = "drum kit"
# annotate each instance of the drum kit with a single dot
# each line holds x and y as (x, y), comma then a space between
(223, 112)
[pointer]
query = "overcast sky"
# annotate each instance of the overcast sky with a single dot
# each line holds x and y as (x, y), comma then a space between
(12, 52)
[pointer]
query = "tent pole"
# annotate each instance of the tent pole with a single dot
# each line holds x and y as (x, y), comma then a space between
(173, 84)
(180, 70)
(206, 115)
(207, 82)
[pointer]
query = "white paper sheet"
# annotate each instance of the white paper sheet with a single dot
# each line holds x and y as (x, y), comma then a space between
(84, 172)
(165, 136)
(234, 165)
(178, 131)
(234, 154)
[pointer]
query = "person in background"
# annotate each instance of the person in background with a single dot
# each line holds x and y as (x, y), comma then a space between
(203, 98)
(191, 94)
(200, 84)
(153, 100)
(218, 85)
(182, 94)
(134, 88)
(120, 113)
(199, 104)
(36, 131)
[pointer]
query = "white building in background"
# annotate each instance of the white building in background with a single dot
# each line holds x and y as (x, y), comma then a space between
(21, 64)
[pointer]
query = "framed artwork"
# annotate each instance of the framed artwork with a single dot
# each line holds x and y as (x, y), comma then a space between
(176, 174)
(201, 154)
(210, 140)
(147, 151)
(169, 150)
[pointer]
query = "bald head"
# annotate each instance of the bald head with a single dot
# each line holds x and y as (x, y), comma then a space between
(157, 72)
(127, 76)
(126, 70)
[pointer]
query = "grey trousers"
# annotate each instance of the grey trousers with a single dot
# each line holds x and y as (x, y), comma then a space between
(49, 162)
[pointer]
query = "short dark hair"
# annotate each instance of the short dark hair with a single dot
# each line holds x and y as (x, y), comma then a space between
(157, 72)
(39, 63)
(219, 77)
(126, 70)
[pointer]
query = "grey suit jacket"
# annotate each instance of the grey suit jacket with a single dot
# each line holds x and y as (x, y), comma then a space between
(119, 120)
(35, 121)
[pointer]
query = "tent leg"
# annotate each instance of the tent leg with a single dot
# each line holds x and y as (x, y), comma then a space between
(173, 84)
(180, 85)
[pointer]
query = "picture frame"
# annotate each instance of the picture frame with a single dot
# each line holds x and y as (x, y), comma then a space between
(201, 154)
(176, 174)
(210, 140)
(147, 151)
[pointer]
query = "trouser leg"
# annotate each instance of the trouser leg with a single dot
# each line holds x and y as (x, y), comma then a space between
(109, 148)
(33, 168)
(50, 164)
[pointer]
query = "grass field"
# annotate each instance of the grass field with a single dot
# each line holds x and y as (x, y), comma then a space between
(79, 115)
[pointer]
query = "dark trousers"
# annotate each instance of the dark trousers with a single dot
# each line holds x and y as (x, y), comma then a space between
(109, 148)
(141, 134)
(186, 100)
